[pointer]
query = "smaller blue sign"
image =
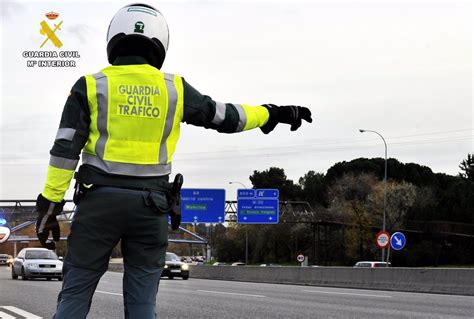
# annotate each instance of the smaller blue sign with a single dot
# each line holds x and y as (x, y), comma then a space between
(398, 241)
(267, 193)
(257, 206)
(3, 221)
(202, 205)
(247, 193)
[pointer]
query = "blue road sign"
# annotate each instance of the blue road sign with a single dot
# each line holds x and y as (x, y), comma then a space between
(398, 241)
(3, 221)
(257, 206)
(202, 205)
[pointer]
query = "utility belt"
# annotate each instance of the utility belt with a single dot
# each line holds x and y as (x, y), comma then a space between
(89, 177)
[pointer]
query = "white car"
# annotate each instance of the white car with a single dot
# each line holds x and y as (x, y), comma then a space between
(37, 263)
(372, 264)
(238, 263)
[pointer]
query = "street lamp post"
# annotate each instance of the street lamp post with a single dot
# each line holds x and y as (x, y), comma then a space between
(246, 231)
(243, 185)
(384, 183)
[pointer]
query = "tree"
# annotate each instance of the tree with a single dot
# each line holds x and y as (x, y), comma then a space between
(400, 199)
(314, 188)
(418, 202)
(275, 177)
(416, 174)
(360, 198)
(349, 195)
(230, 245)
(467, 168)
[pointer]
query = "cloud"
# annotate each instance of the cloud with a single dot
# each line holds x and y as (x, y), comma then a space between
(9, 9)
(78, 31)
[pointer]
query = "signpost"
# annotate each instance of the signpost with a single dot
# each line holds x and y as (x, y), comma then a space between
(382, 239)
(301, 258)
(202, 205)
(257, 206)
(397, 242)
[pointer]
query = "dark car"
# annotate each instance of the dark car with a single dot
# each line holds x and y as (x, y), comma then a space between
(37, 263)
(174, 267)
(4, 259)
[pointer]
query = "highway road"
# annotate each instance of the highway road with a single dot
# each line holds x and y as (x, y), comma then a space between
(197, 298)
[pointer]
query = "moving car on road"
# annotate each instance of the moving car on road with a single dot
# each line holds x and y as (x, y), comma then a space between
(270, 265)
(37, 263)
(238, 263)
(371, 264)
(3, 259)
(219, 263)
(174, 267)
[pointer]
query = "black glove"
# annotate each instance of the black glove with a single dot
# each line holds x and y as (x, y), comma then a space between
(175, 212)
(175, 220)
(289, 114)
(46, 221)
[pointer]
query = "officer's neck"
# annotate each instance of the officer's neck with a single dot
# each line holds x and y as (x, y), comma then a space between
(130, 59)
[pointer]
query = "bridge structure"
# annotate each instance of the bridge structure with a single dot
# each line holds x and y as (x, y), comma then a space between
(323, 224)
(21, 213)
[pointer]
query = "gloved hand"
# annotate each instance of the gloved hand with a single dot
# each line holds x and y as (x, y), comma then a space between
(46, 221)
(175, 212)
(288, 114)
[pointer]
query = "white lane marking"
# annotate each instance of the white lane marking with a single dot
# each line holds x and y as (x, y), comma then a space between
(5, 316)
(108, 293)
(21, 312)
(347, 293)
(230, 293)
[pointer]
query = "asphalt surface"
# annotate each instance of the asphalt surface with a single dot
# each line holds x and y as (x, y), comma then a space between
(196, 298)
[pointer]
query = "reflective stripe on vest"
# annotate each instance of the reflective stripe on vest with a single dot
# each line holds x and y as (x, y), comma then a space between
(102, 92)
(135, 115)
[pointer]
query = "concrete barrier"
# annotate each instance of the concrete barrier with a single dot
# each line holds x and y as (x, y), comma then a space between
(459, 281)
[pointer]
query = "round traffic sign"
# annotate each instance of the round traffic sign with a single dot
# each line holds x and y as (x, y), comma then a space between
(398, 241)
(300, 258)
(4, 234)
(382, 239)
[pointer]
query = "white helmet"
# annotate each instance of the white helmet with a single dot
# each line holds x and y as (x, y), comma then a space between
(138, 28)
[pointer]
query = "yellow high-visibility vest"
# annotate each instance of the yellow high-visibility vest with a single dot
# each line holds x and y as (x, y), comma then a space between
(135, 111)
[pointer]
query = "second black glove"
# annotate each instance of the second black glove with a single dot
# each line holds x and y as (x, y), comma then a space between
(47, 222)
(288, 114)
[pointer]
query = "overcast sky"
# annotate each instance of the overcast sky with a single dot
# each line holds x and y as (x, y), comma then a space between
(402, 69)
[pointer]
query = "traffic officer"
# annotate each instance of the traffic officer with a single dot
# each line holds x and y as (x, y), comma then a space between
(125, 119)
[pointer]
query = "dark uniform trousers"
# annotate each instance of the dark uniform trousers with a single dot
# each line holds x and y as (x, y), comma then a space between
(105, 216)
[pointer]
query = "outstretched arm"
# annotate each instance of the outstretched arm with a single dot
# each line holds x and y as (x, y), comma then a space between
(202, 110)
